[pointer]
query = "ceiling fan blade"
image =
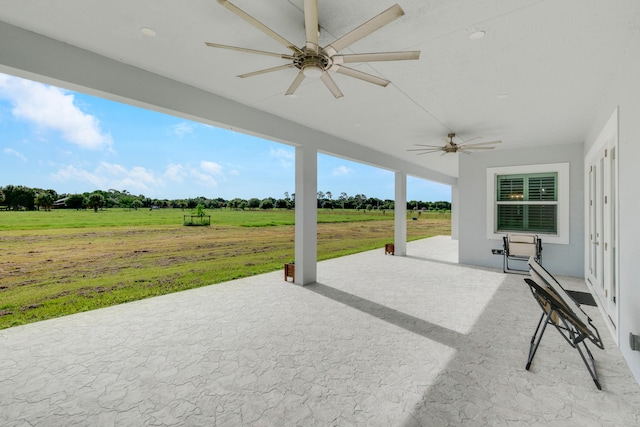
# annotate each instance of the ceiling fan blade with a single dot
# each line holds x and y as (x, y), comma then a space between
(253, 21)
(381, 56)
(331, 85)
(268, 70)
(296, 82)
(424, 145)
(469, 140)
(479, 144)
(365, 29)
(361, 75)
(244, 49)
(476, 148)
(311, 23)
(430, 151)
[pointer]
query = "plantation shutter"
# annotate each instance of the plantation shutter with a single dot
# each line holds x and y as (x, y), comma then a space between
(510, 187)
(527, 202)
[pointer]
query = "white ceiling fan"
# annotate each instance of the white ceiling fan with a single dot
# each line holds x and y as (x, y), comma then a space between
(315, 61)
(452, 147)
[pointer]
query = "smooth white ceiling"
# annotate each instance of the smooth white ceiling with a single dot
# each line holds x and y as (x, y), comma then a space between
(554, 59)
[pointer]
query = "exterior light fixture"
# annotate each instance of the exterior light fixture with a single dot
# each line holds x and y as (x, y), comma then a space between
(149, 32)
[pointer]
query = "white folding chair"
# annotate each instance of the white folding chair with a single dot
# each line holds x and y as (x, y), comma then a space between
(520, 247)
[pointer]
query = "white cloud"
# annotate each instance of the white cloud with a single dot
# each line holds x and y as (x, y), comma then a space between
(109, 175)
(203, 179)
(211, 167)
(286, 157)
(12, 152)
(175, 173)
(51, 108)
(205, 175)
(182, 128)
(71, 173)
(234, 173)
(341, 171)
(110, 169)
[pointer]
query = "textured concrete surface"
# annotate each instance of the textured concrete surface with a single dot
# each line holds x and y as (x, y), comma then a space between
(379, 341)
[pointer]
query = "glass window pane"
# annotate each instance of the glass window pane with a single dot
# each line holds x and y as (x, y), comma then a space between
(511, 217)
(542, 218)
(542, 188)
(510, 188)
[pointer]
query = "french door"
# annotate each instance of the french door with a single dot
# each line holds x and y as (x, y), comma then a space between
(602, 241)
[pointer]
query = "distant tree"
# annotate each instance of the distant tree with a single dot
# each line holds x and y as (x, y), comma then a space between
(220, 203)
(266, 203)
(44, 200)
(18, 196)
(95, 201)
(126, 201)
(1, 196)
(343, 199)
(253, 203)
(75, 201)
(235, 203)
(282, 204)
(136, 204)
(327, 204)
(243, 205)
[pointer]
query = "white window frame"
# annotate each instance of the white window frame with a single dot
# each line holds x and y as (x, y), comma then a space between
(562, 169)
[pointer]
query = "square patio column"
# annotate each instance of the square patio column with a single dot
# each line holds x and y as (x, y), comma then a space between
(306, 228)
(400, 214)
(454, 212)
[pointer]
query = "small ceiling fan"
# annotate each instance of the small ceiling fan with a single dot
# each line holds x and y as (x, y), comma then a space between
(452, 147)
(315, 61)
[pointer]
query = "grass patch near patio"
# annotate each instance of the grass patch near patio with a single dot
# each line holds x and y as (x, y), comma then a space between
(63, 262)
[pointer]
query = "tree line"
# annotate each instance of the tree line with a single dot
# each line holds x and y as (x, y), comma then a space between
(19, 197)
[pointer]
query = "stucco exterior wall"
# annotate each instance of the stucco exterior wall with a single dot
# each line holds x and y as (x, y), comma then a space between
(475, 247)
(624, 94)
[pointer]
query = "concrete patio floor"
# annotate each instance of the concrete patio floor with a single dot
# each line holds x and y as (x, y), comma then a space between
(379, 341)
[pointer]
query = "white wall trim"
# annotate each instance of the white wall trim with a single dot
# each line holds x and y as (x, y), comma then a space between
(562, 236)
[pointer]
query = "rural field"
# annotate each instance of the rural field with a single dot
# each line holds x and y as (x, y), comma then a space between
(67, 261)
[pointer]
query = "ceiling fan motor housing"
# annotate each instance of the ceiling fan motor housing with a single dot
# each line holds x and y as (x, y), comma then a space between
(311, 61)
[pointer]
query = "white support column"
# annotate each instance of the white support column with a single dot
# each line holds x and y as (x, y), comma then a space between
(306, 228)
(400, 215)
(454, 212)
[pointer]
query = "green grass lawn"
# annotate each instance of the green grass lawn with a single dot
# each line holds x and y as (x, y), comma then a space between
(66, 261)
(116, 217)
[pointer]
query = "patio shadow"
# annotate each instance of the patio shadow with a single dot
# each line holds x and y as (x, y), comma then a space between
(405, 321)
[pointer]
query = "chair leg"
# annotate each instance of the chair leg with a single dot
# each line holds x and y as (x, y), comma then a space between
(590, 364)
(533, 347)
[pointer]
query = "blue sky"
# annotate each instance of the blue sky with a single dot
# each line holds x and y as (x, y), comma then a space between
(73, 143)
